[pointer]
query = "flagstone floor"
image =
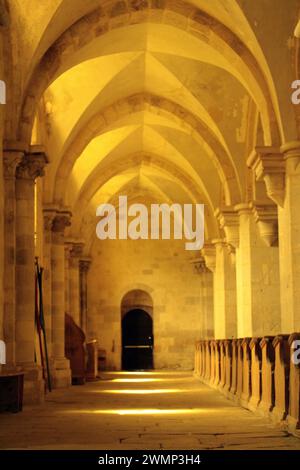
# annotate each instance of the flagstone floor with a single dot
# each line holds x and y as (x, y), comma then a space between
(154, 410)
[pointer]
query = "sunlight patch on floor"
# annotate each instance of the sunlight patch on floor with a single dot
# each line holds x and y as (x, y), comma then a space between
(143, 391)
(148, 411)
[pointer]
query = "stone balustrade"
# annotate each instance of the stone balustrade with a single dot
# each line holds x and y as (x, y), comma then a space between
(261, 374)
(294, 379)
(267, 391)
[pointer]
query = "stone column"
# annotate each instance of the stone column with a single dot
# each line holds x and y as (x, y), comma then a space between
(30, 167)
(206, 298)
(67, 277)
(224, 293)
(61, 368)
(280, 170)
(86, 323)
(11, 160)
(257, 274)
(289, 246)
(76, 249)
(49, 215)
(2, 190)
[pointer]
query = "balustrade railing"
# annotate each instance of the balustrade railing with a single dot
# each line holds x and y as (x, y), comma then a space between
(261, 374)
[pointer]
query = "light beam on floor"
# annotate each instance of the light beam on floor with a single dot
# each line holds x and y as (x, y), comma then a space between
(136, 380)
(145, 372)
(143, 391)
(147, 411)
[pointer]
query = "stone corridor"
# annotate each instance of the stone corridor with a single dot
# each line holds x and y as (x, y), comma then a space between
(151, 410)
(120, 121)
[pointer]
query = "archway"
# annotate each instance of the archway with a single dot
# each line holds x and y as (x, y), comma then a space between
(137, 340)
(137, 330)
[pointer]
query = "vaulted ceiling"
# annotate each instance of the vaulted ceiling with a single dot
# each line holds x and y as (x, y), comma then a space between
(162, 100)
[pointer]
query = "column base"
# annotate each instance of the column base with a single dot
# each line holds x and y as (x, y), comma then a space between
(278, 415)
(244, 400)
(225, 390)
(231, 393)
(215, 384)
(253, 403)
(221, 388)
(60, 373)
(293, 424)
(265, 409)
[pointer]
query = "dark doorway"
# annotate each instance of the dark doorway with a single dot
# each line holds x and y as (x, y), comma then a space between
(137, 340)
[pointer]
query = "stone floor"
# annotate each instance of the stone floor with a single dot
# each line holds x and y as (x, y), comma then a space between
(154, 410)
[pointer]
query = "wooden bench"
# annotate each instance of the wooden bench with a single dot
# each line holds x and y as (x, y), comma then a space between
(11, 391)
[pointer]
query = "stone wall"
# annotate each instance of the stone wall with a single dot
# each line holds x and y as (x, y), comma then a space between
(160, 268)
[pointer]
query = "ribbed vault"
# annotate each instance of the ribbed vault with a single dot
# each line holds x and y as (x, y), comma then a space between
(159, 98)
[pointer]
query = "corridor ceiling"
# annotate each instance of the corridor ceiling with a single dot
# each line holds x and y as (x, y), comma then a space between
(162, 100)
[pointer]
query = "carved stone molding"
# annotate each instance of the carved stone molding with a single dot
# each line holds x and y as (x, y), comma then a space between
(243, 208)
(11, 159)
(67, 252)
(268, 164)
(227, 246)
(229, 222)
(84, 265)
(266, 217)
(291, 153)
(209, 254)
(232, 253)
(32, 166)
(76, 249)
(199, 265)
(219, 242)
(49, 216)
(61, 220)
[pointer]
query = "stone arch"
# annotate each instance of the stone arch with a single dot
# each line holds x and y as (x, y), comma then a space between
(211, 228)
(138, 102)
(105, 173)
(88, 233)
(181, 15)
(137, 299)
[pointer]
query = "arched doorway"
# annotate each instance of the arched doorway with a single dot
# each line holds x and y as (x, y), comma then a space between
(137, 330)
(137, 340)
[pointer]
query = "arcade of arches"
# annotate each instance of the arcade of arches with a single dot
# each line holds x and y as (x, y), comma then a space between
(165, 101)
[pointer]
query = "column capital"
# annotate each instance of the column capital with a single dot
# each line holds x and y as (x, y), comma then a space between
(222, 242)
(243, 208)
(229, 222)
(199, 265)
(49, 214)
(84, 264)
(11, 159)
(32, 166)
(209, 254)
(61, 220)
(76, 249)
(67, 251)
(219, 242)
(266, 217)
(291, 149)
(291, 153)
(268, 164)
